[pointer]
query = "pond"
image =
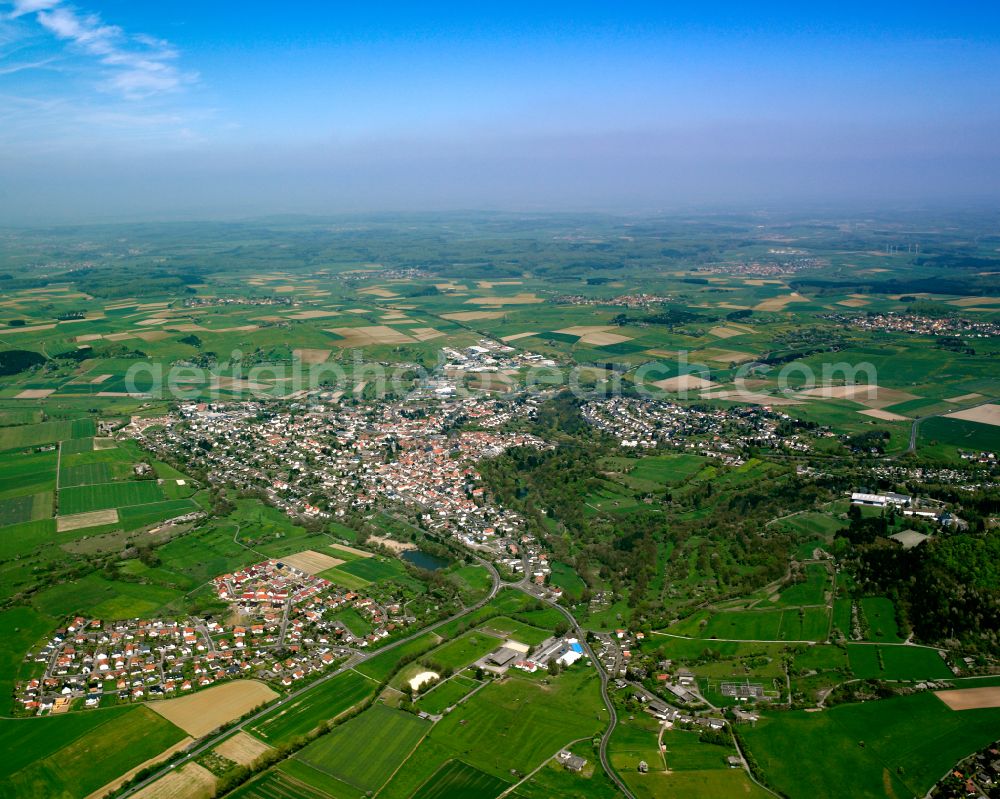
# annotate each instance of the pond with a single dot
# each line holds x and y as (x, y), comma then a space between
(423, 560)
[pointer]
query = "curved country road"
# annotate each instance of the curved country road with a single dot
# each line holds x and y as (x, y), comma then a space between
(612, 715)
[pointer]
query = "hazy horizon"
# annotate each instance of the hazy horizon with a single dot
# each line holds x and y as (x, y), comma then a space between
(129, 112)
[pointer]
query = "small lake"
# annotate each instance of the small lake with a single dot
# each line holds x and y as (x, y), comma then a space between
(422, 560)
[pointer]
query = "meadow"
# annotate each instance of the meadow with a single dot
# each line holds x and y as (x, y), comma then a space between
(458, 780)
(805, 624)
(324, 701)
(75, 755)
(514, 724)
(870, 661)
(445, 694)
(366, 750)
(903, 743)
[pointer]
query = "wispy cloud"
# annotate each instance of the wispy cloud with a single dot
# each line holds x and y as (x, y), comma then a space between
(135, 65)
(10, 69)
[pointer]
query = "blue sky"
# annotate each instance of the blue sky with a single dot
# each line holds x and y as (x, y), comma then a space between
(115, 109)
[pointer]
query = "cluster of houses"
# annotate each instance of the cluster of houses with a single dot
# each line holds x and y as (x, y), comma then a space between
(323, 461)
(283, 629)
(634, 301)
(723, 432)
(918, 324)
(976, 776)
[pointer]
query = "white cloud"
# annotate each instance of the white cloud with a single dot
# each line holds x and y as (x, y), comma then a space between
(22, 7)
(136, 65)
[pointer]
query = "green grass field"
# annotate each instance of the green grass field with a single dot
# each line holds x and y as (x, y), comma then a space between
(516, 630)
(29, 508)
(366, 750)
(959, 433)
(372, 569)
(809, 624)
(880, 614)
(458, 780)
(667, 469)
(513, 725)
(445, 694)
(95, 594)
(73, 756)
(896, 662)
(80, 499)
(463, 650)
(33, 435)
(384, 664)
(553, 780)
(904, 743)
(27, 474)
(809, 592)
(324, 701)
(291, 780)
(84, 474)
(567, 579)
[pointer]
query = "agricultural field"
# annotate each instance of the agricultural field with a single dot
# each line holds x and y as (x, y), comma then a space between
(515, 724)
(905, 743)
(446, 693)
(283, 783)
(873, 662)
(366, 750)
(85, 498)
(322, 702)
(78, 754)
(458, 780)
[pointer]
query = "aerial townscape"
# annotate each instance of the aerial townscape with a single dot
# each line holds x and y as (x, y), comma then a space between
(534, 402)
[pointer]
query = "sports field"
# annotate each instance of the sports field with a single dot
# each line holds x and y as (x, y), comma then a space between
(366, 750)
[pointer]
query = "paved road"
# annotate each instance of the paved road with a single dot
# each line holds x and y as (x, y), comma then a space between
(581, 636)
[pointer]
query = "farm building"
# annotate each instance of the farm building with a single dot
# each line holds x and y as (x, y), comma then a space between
(881, 500)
